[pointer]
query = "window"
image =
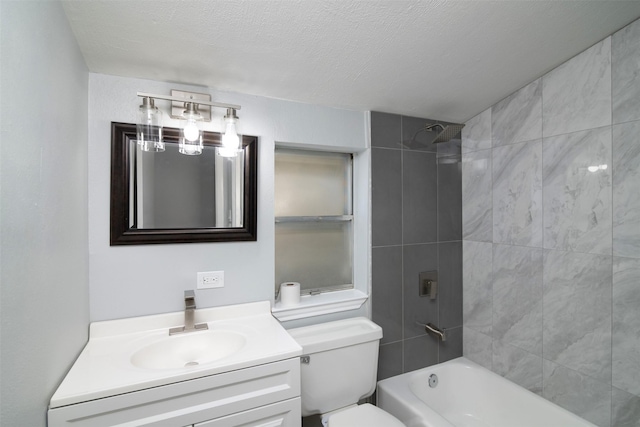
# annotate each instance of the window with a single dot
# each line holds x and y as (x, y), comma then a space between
(314, 220)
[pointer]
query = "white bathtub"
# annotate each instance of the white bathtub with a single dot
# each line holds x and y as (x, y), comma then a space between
(468, 395)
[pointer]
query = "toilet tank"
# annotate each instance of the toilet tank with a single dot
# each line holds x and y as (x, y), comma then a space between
(343, 363)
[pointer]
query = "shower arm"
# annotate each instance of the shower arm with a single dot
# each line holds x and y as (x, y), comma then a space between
(426, 128)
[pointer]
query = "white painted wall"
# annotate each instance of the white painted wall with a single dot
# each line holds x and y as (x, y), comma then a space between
(44, 263)
(138, 280)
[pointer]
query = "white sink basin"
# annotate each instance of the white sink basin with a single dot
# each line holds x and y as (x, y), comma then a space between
(127, 355)
(187, 350)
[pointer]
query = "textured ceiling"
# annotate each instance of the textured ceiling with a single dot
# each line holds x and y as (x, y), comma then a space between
(445, 60)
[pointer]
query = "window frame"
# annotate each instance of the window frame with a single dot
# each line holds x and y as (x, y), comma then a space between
(347, 218)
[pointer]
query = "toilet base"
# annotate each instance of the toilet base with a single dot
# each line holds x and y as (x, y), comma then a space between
(365, 415)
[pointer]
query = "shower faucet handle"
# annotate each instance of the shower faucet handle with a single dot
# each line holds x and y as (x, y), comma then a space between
(432, 288)
(428, 284)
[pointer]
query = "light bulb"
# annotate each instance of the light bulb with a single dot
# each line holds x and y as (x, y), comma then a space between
(191, 131)
(230, 139)
(190, 134)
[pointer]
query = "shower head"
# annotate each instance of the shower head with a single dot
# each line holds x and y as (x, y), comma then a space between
(447, 132)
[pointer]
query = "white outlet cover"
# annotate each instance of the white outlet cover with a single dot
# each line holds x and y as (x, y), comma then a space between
(210, 279)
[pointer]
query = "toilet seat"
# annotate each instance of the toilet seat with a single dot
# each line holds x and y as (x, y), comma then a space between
(365, 415)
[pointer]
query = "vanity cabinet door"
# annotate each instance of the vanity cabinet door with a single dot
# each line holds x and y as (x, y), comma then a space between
(281, 414)
(189, 402)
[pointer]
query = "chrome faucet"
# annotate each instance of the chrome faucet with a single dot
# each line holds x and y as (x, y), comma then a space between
(189, 308)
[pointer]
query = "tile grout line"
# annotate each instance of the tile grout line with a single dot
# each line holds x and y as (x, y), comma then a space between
(402, 246)
(492, 232)
(612, 251)
(542, 381)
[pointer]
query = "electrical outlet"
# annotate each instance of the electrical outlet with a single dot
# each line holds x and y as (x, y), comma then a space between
(210, 279)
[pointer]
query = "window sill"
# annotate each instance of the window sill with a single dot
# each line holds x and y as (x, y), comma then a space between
(316, 305)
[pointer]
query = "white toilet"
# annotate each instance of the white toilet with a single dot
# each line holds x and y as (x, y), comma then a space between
(338, 369)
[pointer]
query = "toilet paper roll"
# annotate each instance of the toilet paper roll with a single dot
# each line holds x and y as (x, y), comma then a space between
(289, 294)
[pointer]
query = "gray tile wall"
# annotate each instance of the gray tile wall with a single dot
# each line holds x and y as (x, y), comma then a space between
(417, 226)
(551, 239)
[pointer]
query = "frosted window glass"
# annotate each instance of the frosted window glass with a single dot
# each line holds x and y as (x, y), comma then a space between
(316, 254)
(311, 183)
(310, 248)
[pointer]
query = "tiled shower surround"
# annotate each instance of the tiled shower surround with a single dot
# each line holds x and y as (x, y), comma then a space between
(551, 234)
(417, 226)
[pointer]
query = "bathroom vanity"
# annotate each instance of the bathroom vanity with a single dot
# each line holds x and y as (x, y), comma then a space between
(244, 370)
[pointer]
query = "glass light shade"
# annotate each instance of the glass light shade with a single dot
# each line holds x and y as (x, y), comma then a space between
(231, 139)
(149, 126)
(226, 152)
(191, 131)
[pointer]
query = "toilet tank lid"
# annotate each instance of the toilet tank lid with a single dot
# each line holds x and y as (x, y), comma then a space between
(340, 333)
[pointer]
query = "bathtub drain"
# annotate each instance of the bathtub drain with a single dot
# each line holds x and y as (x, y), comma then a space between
(433, 380)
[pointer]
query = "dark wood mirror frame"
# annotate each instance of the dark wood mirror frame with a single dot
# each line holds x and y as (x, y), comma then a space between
(121, 234)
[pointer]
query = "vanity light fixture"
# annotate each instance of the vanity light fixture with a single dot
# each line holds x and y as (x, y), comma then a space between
(192, 109)
(149, 126)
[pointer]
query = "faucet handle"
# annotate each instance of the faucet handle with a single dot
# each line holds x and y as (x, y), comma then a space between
(190, 298)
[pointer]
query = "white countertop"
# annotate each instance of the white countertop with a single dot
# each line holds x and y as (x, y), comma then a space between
(104, 367)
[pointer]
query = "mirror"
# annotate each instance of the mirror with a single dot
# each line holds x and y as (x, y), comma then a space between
(167, 197)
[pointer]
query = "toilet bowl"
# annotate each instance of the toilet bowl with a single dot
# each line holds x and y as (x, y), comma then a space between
(338, 369)
(363, 415)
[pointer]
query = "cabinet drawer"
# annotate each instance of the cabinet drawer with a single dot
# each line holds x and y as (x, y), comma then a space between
(187, 402)
(281, 414)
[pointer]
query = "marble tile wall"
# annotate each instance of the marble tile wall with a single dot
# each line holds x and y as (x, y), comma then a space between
(416, 226)
(551, 234)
